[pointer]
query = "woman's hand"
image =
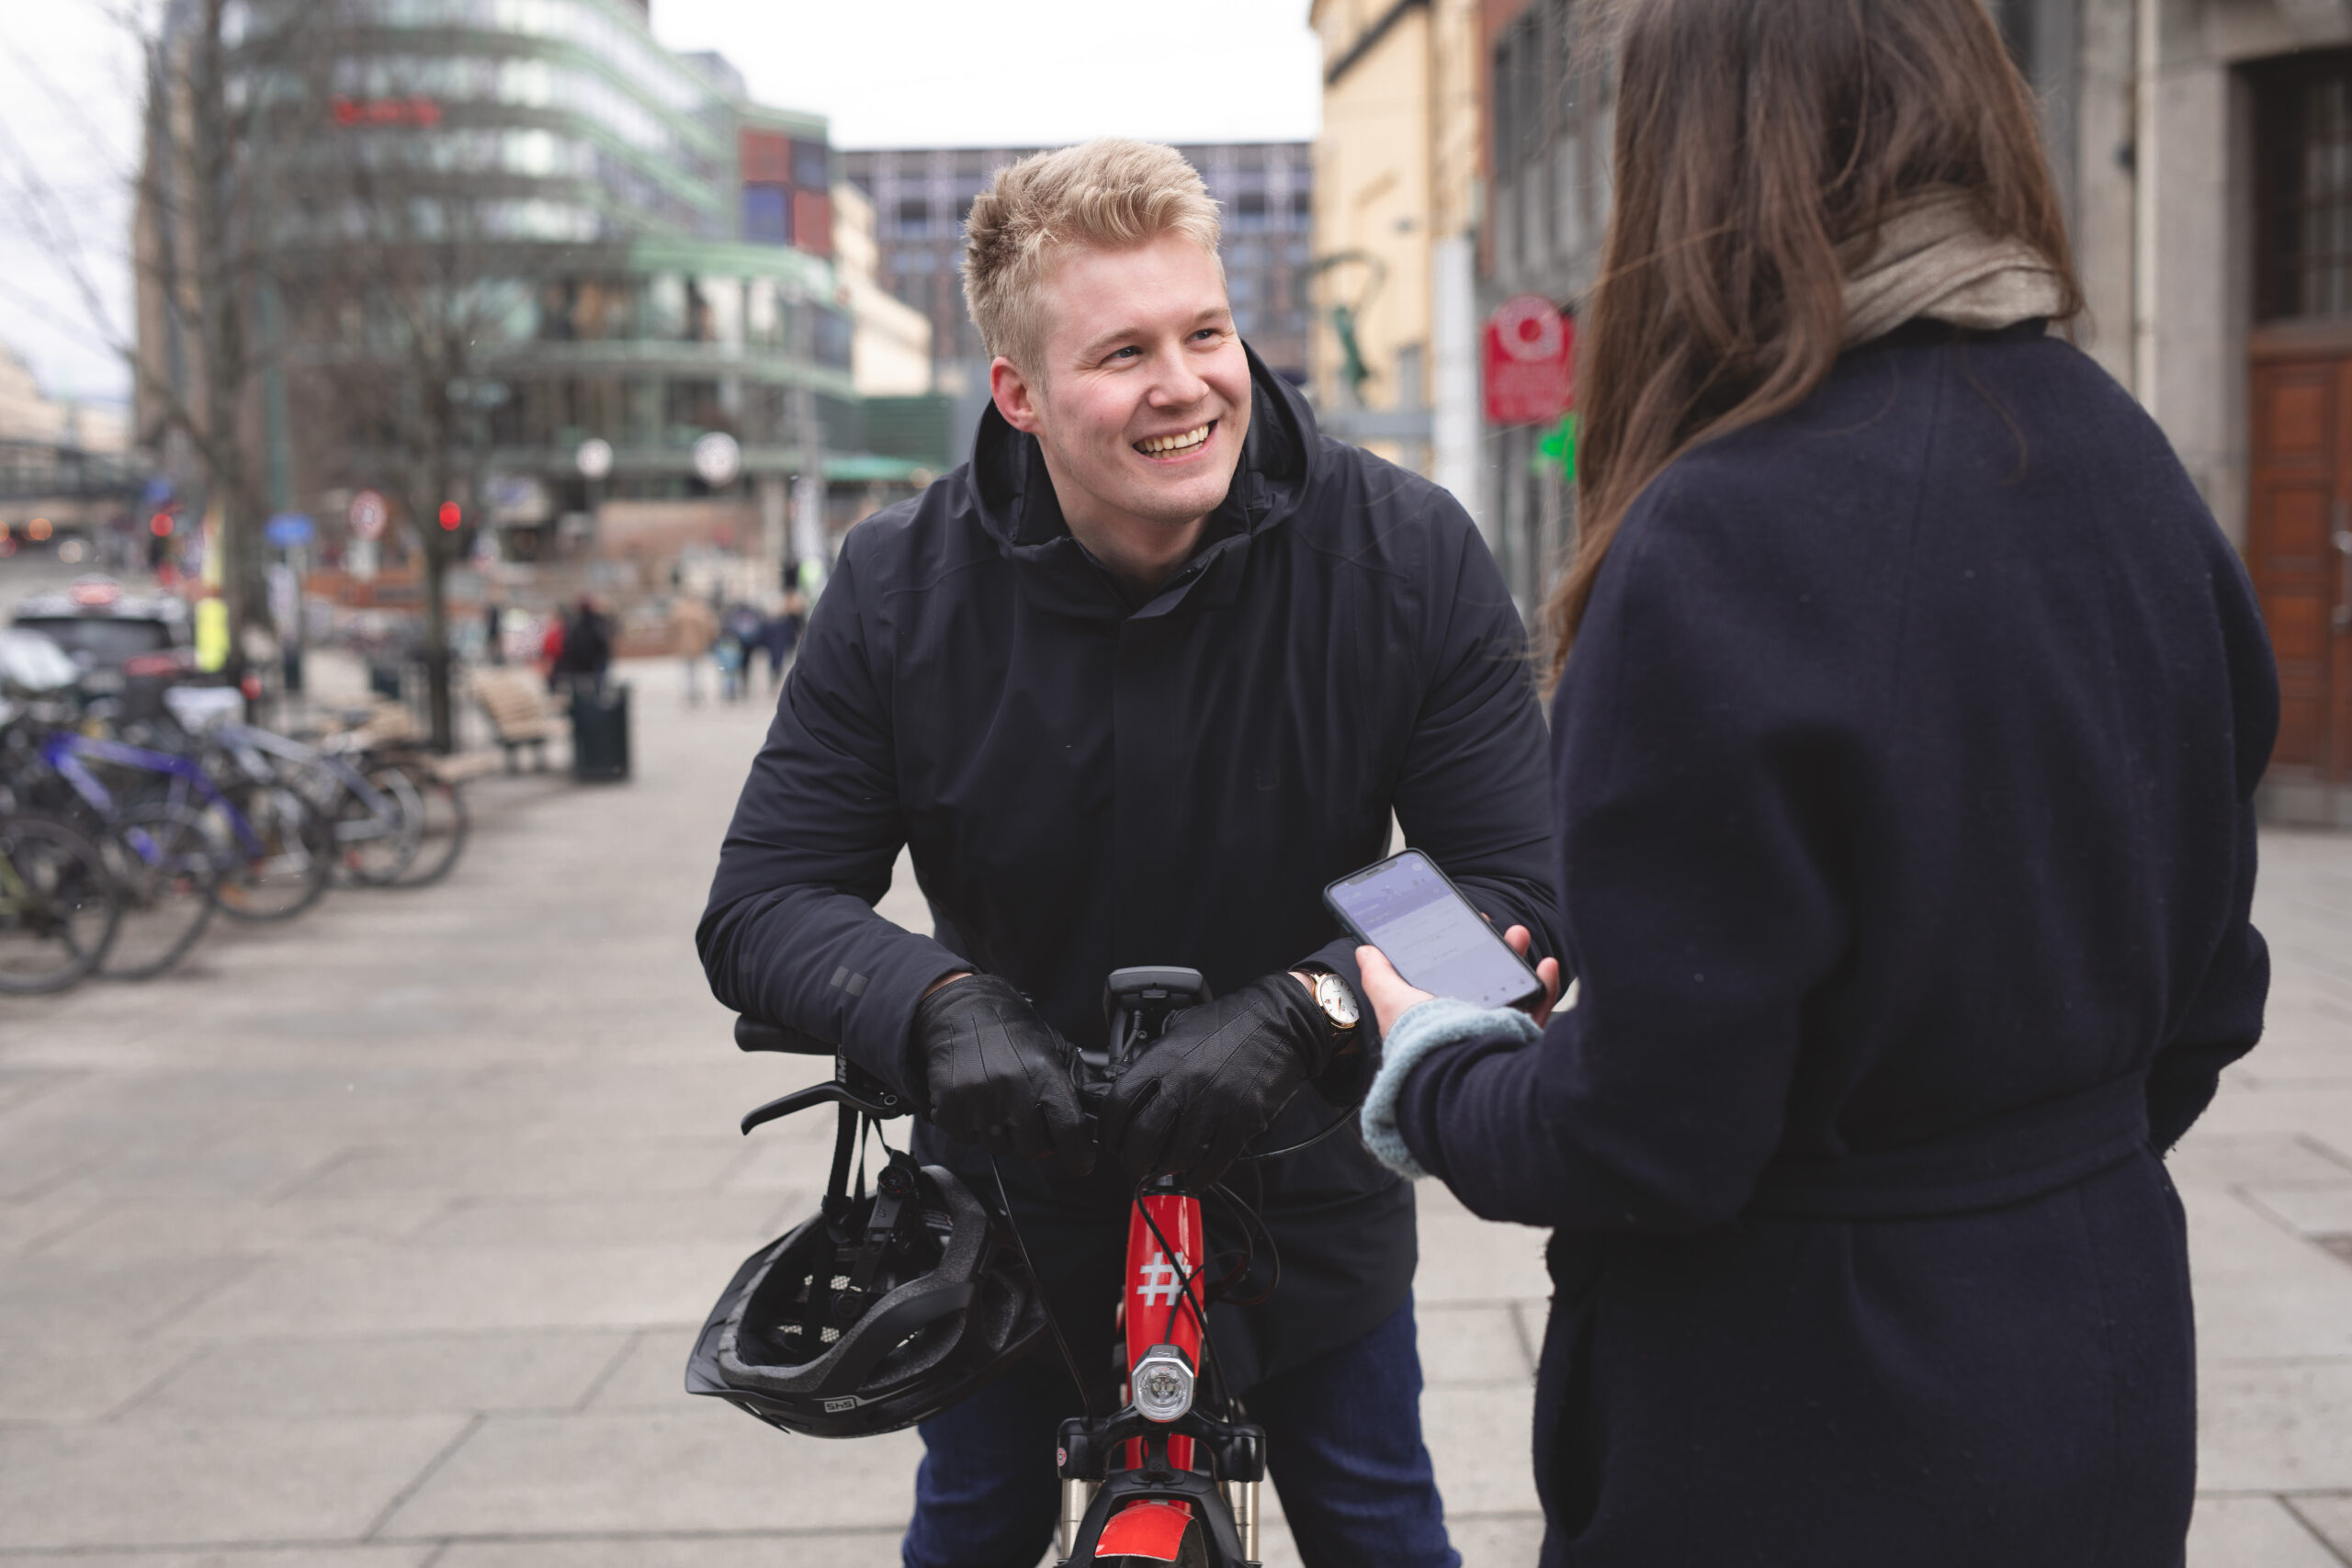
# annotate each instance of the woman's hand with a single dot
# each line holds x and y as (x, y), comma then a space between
(1391, 998)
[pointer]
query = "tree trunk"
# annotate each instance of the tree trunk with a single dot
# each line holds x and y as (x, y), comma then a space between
(437, 636)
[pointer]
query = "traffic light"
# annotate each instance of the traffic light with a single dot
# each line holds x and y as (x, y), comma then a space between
(451, 516)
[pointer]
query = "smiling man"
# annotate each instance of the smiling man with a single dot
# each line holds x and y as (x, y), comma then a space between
(1133, 686)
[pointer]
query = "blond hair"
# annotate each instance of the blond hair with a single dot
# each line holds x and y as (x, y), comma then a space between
(1110, 194)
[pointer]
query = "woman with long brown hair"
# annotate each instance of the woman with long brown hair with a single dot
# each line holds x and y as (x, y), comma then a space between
(1909, 711)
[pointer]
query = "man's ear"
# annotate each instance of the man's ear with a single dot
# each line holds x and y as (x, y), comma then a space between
(1015, 398)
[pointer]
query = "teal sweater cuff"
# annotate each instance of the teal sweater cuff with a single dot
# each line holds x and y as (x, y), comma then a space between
(1424, 1028)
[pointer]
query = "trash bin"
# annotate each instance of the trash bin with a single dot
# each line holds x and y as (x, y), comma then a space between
(600, 733)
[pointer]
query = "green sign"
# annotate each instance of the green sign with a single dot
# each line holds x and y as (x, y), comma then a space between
(1557, 451)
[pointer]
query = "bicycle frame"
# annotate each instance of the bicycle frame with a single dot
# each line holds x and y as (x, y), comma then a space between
(384, 814)
(1130, 1487)
(64, 752)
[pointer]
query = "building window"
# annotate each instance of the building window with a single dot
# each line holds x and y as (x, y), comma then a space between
(1302, 209)
(813, 165)
(1250, 212)
(2303, 194)
(914, 217)
(767, 216)
(765, 157)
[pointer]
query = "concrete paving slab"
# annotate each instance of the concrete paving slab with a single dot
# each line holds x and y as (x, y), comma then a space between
(652, 1373)
(216, 1483)
(2307, 1211)
(1508, 1541)
(1478, 1440)
(524, 1167)
(466, 1288)
(255, 1556)
(1464, 1258)
(2330, 1518)
(658, 1472)
(2209, 1157)
(71, 1378)
(2284, 1427)
(26, 1226)
(1471, 1344)
(2262, 1294)
(370, 1375)
(858, 1548)
(2253, 1532)
(747, 1218)
(56, 1298)
(143, 1227)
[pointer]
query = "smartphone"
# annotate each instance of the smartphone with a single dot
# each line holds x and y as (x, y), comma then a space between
(1405, 907)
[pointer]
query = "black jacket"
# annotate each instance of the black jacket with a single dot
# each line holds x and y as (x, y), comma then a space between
(1087, 783)
(1903, 779)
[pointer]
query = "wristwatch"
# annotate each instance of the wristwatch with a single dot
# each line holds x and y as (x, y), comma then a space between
(1339, 1005)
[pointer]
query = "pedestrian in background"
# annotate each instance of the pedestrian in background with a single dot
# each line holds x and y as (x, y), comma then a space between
(493, 631)
(587, 649)
(1903, 767)
(550, 659)
(692, 627)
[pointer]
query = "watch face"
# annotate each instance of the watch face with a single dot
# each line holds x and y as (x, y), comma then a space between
(1339, 1005)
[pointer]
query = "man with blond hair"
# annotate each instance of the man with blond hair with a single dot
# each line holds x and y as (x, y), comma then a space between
(1133, 686)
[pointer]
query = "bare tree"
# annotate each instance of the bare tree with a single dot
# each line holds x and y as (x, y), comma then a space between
(404, 280)
(203, 209)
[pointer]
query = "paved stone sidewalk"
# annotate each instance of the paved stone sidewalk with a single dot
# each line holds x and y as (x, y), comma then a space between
(379, 1240)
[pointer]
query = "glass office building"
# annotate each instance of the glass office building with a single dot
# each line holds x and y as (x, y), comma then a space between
(638, 252)
(1264, 191)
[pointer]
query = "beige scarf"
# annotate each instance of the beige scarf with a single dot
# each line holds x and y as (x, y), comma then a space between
(1932, 260)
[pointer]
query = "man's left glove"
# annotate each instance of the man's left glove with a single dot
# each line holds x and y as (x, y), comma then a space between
(1214, 1081)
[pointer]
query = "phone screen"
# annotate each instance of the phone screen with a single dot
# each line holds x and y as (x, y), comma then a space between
(1405, 908)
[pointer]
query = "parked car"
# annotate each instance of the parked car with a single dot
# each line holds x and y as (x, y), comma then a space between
(131, 646)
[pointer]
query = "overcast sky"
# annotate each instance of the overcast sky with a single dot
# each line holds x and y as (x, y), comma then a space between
(887, 73)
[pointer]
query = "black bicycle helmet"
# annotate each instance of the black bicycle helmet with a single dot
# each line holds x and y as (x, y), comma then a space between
(874, 1315)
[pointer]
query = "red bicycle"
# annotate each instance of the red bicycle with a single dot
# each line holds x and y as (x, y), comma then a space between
(879, 1312)
(1172, 1476)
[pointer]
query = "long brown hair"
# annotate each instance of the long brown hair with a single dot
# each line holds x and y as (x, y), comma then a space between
(1754, 138)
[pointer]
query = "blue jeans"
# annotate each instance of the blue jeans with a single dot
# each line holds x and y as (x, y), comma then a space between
(1343, 1436)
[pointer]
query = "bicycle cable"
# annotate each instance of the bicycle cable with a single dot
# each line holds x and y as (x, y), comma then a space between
(1045, 1299)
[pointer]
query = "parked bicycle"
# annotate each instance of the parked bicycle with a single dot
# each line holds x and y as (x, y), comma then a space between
(881, 1311)
(58, 907)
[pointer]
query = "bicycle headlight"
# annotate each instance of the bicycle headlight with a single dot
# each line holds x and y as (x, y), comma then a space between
(1162, 1383)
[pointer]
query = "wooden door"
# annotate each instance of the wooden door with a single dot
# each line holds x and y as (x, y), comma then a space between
(2299, 549)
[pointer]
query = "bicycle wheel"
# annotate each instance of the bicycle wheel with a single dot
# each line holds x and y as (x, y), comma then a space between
(378, 837)
(168, 875)
(58, 906)
(282, 864)
(445, 822)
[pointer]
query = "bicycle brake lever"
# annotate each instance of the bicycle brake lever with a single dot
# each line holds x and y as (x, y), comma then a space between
(877, 1103)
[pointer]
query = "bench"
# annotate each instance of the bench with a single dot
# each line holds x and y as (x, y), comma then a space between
(517, 710)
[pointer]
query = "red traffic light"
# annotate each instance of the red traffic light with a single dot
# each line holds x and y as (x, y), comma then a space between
(160, 524)
(450, 516)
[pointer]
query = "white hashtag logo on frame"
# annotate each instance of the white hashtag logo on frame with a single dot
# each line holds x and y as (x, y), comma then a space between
(1155, 1281)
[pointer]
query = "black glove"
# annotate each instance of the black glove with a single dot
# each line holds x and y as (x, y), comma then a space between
(995, 1074)
(1199, 1093)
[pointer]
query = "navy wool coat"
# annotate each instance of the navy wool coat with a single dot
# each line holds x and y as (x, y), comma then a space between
(1902, 783)
(1086, 781)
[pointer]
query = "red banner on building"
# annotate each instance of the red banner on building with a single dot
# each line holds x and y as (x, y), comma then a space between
(1531, 362)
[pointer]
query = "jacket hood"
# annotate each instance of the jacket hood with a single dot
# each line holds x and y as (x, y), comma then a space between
(1017, 507)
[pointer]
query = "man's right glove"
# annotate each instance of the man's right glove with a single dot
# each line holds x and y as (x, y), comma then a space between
(995, 1074)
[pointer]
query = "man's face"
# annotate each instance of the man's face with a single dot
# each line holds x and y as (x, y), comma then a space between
(1141, 394)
